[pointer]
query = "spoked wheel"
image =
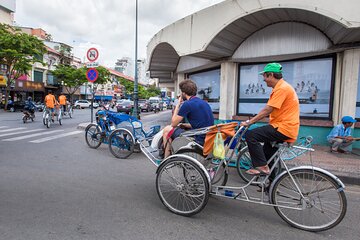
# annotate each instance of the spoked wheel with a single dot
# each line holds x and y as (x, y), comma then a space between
(71, 113)
(47, 120)
(93, 135)
(44, 117)
(121, 143)
(182, 186)
(244, 163)
(60, 118)
(323, 206)
(217, 172)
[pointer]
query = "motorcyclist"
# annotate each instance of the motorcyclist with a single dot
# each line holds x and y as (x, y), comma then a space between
(30, 106)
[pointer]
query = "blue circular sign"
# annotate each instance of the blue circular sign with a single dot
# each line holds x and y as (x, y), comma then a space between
(92, 74)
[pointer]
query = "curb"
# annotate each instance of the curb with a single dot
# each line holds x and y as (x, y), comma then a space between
(82, 126)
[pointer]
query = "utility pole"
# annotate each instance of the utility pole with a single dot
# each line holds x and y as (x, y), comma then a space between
(136, 107)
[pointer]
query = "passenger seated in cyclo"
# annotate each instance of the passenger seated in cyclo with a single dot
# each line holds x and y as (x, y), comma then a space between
(195, 110)
(284, 111)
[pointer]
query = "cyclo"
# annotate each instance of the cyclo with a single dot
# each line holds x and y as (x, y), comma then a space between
(47, 115)
(306, 197)
(120, 131)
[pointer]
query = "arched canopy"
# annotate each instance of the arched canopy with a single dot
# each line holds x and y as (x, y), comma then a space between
(215, 33)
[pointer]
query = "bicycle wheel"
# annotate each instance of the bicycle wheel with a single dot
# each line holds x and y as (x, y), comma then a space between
(60, 118)
(93, 135)
(121, 143)
(44, 117)
(243, 163)
(217, 174)
(47, 120)
(182, 186)
(323, 206)
(70, 112)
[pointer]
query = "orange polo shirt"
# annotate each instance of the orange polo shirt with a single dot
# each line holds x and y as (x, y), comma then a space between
(62, 100)
(286, 113)
(50, 101)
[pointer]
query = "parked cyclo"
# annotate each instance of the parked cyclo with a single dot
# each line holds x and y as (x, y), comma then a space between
(306, 197)
(120, 131)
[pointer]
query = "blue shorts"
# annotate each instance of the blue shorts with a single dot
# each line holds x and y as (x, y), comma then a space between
(176, 133)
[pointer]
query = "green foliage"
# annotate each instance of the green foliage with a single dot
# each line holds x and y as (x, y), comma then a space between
(18, 53)
(143, 92)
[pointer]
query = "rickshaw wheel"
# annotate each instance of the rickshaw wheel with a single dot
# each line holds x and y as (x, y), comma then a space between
(121, 143)
(93, 136)
(182, 186)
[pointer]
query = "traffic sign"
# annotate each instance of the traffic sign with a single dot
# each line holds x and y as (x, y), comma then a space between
(92, 54)
(92, 74)
(92, 64)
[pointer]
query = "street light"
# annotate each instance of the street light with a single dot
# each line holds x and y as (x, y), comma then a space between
(135, 111)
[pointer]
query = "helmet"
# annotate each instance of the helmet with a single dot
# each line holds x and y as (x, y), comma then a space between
(29, 98)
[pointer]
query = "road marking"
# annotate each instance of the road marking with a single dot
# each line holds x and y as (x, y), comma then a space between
(27, 131)
(55, 137)
(3, 126)
(31, 135)
(12, 129)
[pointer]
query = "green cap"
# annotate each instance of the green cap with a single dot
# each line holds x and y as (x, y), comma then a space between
(272, 67)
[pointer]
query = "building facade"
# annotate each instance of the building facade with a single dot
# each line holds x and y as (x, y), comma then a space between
(223, 47)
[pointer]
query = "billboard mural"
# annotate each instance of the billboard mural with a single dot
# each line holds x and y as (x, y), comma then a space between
(311, 80)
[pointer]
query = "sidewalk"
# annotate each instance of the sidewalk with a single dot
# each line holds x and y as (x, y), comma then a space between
(344, 166)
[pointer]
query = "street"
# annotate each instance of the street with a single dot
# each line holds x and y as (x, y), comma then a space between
(53, 186)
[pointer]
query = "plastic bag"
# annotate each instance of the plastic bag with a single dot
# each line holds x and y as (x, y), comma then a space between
(219, 148)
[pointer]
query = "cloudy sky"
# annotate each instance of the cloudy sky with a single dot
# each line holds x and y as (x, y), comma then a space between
(108, 25)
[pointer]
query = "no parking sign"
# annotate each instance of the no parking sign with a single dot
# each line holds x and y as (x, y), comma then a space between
(92, 74)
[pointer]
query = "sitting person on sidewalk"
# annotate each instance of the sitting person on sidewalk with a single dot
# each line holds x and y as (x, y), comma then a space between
(340, 137)
(195, 110)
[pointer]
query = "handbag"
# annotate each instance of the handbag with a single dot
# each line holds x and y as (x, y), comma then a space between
(219, 148)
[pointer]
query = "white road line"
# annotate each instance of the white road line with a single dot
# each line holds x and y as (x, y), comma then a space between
(55, 137)
(31, 135)
(27, 131)
(3, 126)
(11, 129)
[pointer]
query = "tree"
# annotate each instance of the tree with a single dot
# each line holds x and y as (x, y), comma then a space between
(70, 77)
(18, 52)
(144, 93)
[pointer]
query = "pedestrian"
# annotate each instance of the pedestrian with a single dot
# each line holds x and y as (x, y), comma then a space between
(283, 108)
(340, 137)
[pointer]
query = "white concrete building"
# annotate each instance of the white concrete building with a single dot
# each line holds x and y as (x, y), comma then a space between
(7, 9)
(223, 48)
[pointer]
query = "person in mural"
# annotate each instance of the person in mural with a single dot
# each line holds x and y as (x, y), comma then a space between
(197, 112)
(340, 137)
(283, 108)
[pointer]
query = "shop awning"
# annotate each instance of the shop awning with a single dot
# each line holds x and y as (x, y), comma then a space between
(103, 98)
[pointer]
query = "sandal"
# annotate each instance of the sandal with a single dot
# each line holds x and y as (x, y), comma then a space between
(256, 171)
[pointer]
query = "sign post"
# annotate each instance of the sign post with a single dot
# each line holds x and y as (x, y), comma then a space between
(92, 74)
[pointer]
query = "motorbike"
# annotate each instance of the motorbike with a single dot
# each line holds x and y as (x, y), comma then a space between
(28, 115)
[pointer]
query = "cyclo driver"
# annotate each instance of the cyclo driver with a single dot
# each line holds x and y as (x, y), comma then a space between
(50, 102)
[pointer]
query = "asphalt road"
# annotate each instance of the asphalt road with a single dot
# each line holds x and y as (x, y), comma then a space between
(61, 189)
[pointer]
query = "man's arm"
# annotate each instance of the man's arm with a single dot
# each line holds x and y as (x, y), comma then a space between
(263, 113)
(176, 119)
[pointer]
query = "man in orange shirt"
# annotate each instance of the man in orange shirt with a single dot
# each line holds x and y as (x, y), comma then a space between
(283, 108)
(62, 101)
(50, 102)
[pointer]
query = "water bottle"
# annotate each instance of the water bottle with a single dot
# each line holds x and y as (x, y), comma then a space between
(229, 193)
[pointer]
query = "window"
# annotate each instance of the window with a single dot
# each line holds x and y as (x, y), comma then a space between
(38, 76)
(312, 80)
(357, 114)
(208, 87)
